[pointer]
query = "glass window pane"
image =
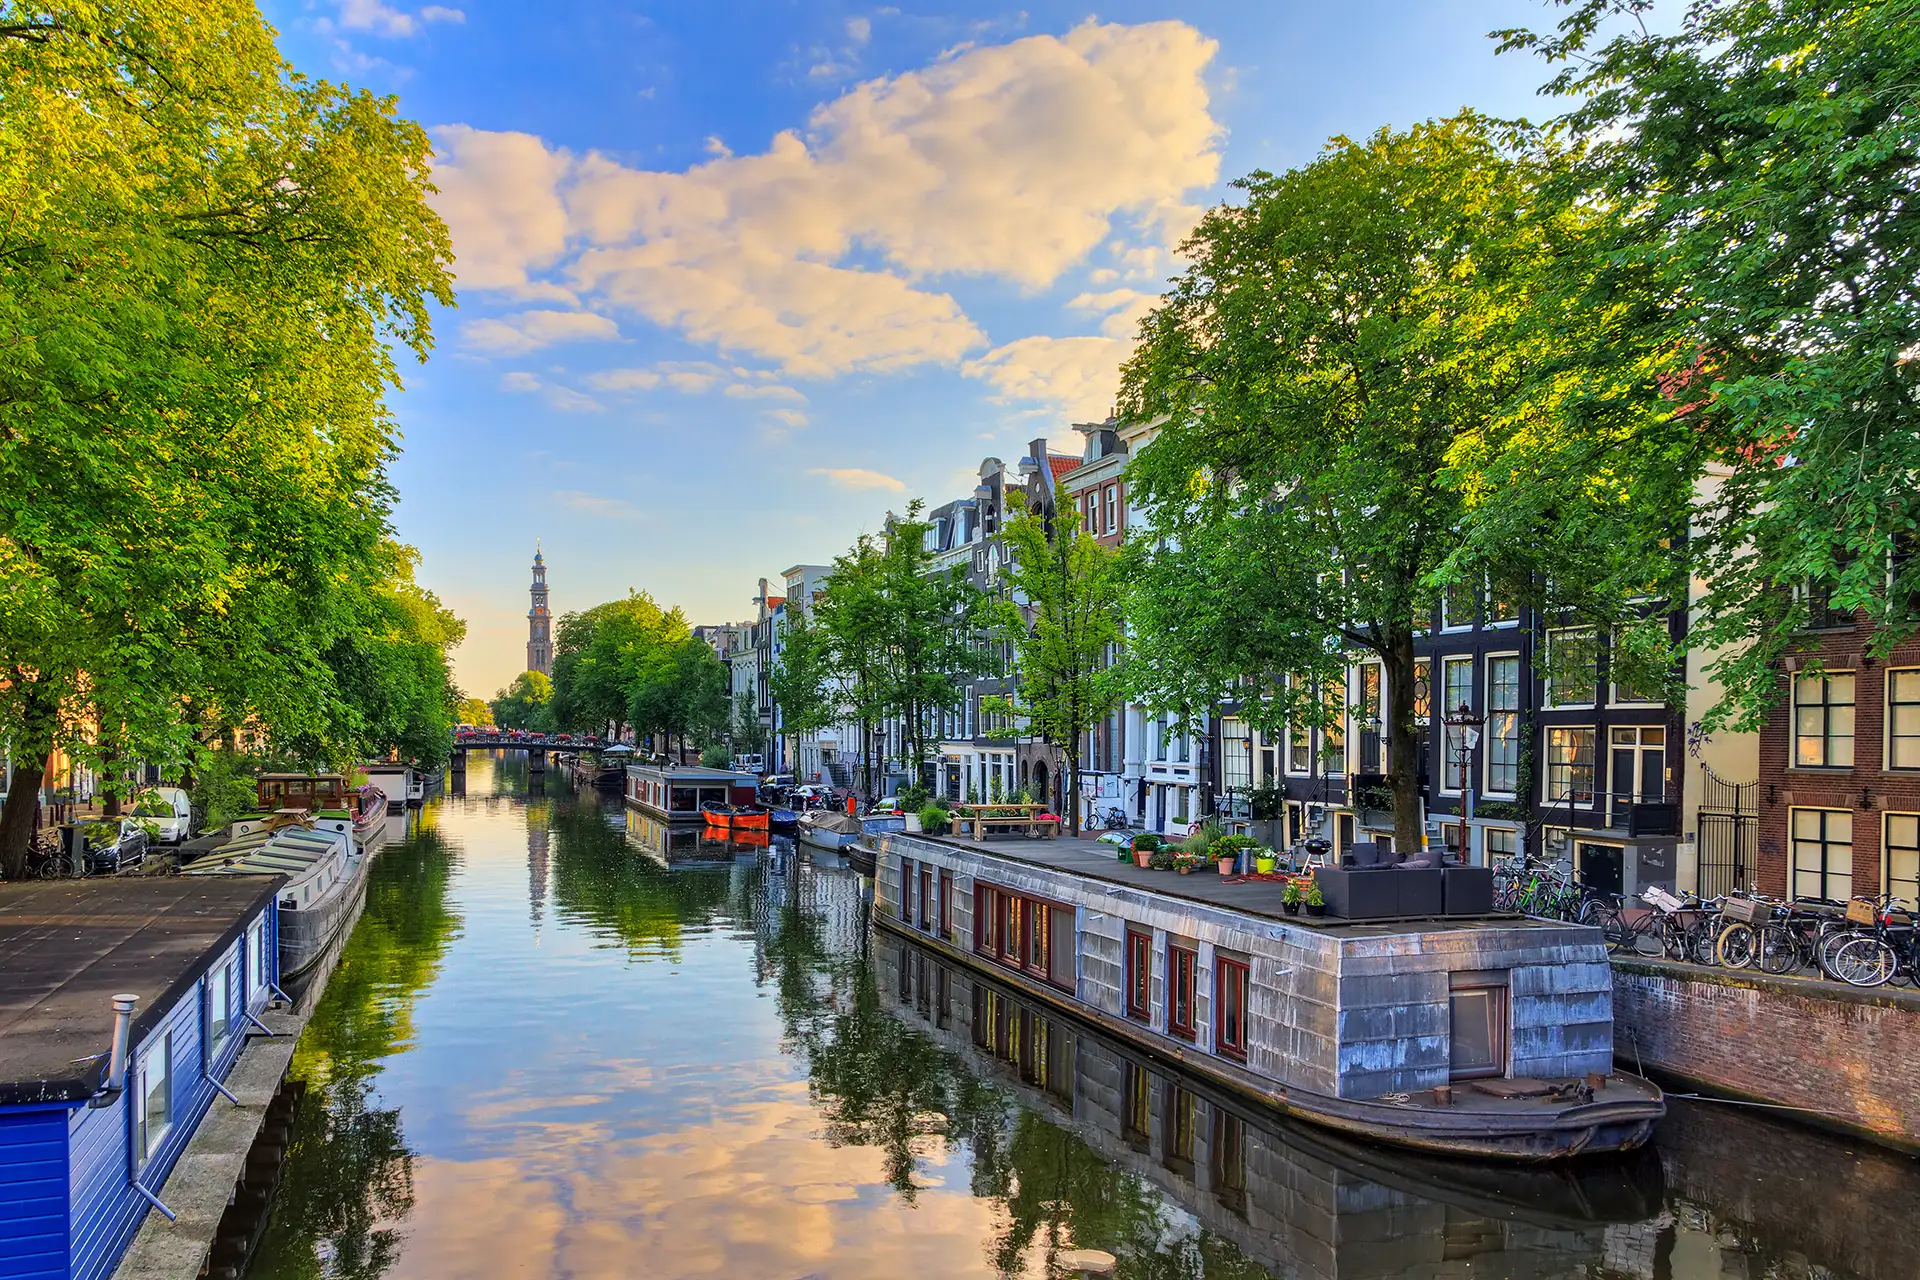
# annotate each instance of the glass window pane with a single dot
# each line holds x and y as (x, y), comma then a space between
(1472, 1033)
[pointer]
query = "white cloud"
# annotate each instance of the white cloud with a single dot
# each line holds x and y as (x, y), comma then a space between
(531, 330)
(1017, 161)
(859, 478)
(859, 30)
(382, 19)
(764, 391)
(440, 13)
(1125, 308)
(788, 417)
(563, 399)
(499, 196)
(595, 505)
(1079, 375)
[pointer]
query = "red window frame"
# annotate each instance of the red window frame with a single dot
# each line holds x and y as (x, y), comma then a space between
(946, 903)
(1183, 972)
(906, 891)
(1231, 983)
(1139, 975)
(1008, 934)
(926, 913)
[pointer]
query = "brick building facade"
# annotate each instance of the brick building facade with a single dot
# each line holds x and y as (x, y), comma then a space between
(1840, 771)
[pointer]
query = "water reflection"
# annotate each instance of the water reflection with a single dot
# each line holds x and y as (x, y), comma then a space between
(555, 1049)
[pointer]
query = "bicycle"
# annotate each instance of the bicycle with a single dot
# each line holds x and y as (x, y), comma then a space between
(1891, 950)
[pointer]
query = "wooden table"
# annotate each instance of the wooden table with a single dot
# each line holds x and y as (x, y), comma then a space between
(982, 818)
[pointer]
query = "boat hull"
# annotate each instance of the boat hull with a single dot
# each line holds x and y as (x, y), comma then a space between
(736, 820)
(1623, 1122)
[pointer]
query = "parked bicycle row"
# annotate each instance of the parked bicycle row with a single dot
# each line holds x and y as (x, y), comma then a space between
(1863, 942)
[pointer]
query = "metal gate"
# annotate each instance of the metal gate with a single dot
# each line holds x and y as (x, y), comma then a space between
(1728, 835)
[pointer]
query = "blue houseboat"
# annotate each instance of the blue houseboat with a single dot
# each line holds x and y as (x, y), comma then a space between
(123, 1004)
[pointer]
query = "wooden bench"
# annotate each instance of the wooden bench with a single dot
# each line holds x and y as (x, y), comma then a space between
(978, 820)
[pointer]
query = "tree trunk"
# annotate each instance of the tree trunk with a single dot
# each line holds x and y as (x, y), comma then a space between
(1073, 792)
(1403, 759)
(34, 740)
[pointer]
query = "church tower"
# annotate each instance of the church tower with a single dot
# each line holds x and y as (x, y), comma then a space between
(539, 621)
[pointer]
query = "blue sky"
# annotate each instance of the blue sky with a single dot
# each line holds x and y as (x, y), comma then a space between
(737, 278)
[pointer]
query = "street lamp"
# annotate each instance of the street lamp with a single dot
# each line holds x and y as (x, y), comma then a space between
(1468, 724)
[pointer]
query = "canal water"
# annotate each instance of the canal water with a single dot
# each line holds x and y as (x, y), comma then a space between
(554, 1048)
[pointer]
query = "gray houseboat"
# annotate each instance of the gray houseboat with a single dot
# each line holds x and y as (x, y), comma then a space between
(1487, 1037)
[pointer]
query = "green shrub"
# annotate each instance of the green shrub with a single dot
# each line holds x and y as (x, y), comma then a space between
(1162, 860)
(716, 756)
(933, 820)
(1147, 840)
(1292, 893)
(912, 798)
(1314, 897)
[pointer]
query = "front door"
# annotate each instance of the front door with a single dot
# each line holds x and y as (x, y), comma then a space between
(1602, 868)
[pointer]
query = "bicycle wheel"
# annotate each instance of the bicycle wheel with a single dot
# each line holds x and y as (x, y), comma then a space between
(1828, 947)
(1700, 943)
(1778, 952)
(1736, 946)
(1867, 961)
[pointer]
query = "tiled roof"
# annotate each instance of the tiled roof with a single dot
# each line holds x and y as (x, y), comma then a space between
(1061, 465)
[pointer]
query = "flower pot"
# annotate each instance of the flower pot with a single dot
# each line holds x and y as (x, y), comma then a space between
(1265, 864)
(1141, 857)
(1226, 866)
(1185, 869)
(1292, 908)
(1316, 909)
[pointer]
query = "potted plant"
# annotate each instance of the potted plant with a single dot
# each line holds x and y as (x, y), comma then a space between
(1263, 862)
(1292, 898)
(1316, 901)
(1229, 859)
(1161, 859)
(1144, 845)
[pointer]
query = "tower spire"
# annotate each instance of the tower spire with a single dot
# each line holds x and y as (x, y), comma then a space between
(539, 621)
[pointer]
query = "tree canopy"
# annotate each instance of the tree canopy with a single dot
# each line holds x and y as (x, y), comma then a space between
(527, 703)
(206, 265)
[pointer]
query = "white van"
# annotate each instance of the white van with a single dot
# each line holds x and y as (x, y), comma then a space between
(168, 814)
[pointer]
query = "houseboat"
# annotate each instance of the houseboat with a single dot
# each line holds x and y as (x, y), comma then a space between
(1489, 1037)
(679, 793)
(394, 780)
(369, 813)
(324, 868)
(1296, 1199)
(126, 1003)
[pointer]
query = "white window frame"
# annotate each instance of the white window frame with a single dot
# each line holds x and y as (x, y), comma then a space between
(1909, 889)
(1448, 663)
(1547, 795)
(1550, 702)
(1893, 678)
(1827, 705)
(1614, 698)
(1449, 624)
(219, 1006)
(148, 1142)
(1488, 737)
(1111, 499)
(1794, 838)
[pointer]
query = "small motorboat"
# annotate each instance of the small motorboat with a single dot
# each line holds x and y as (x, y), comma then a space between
(825, 830)
(782, 819)
(735, 817)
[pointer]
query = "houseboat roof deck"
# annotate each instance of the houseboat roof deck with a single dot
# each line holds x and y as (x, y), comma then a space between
(67, 947)
(1097, 861)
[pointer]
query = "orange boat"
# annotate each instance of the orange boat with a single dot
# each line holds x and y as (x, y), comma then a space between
(730, 818)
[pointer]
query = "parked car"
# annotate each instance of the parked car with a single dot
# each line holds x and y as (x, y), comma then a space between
(164, 813)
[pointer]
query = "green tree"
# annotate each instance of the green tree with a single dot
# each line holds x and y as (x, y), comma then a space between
(599, 653)
(527, 703)
(477, 712)
(679, 690)
(802, 681)
(852, 613)
(1761, 159)
(205, 265)
(1065, 630)
(930, 620)
(1335, 339)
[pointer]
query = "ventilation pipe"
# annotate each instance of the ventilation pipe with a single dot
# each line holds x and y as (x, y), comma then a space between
(122, 1041)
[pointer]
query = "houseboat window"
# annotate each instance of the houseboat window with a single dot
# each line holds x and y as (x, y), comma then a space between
(1182, 966)
(155, 1099)
(219, 1005)
(1023, 935)
(1060, 920)
(1477, 1013)
(985, 912)
(1229, 1160)
(1037, 937)
(683, 799)
(1139, 1106)
(256, 955)
(906, 891)
(1139, 975)
(946, 904)
(928, 909)
(1178, 1130)
(1230, 1004)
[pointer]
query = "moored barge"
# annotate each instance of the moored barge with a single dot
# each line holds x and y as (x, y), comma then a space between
(1488, 1037)
(679, 793)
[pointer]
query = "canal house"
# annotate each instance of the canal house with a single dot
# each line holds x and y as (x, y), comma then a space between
(1488, 1035)
(677, 792)
(126, 1002)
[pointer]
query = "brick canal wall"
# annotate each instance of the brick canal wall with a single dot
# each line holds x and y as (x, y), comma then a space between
(1850, 1055)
